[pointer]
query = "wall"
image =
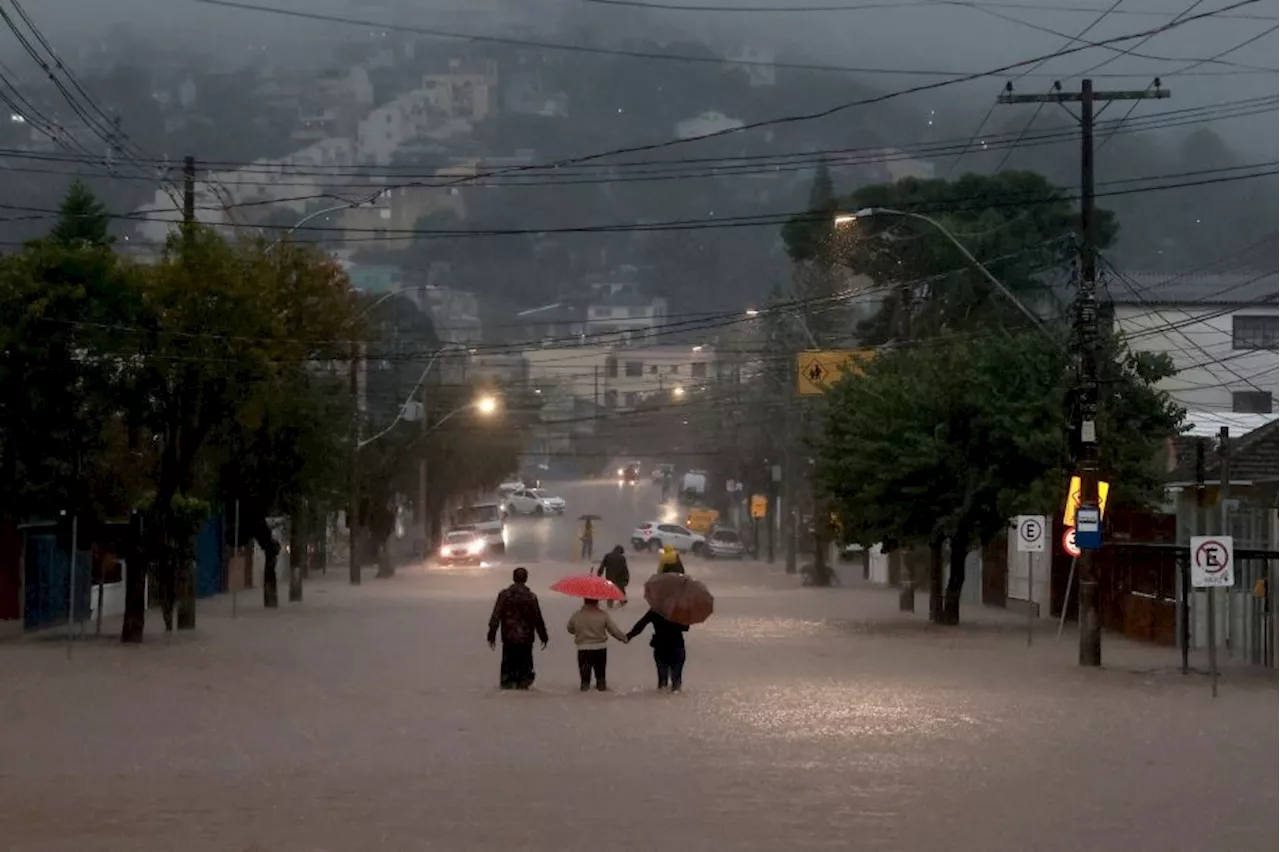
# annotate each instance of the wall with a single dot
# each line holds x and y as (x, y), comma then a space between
(1195, 341)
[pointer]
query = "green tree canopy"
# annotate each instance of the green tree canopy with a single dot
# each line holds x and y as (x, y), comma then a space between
(81, 218)
(1019, 226)
(948, 439)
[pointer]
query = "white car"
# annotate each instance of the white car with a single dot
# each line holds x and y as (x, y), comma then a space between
(654, 535)
(509, 486)
(461, 546)
(534, 501)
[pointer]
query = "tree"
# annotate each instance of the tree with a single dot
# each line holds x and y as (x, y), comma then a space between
(945, 441)
(81, 219)
(66, 309)
(1020, 227)
(227, 327)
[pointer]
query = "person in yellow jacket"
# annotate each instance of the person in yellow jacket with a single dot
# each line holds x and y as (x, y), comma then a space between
(669, 560)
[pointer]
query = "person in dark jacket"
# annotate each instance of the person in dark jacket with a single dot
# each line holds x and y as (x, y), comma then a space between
(614, 569)
(668, 648)
(517, 614)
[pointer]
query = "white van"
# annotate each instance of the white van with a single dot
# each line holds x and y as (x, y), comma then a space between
(488, 521)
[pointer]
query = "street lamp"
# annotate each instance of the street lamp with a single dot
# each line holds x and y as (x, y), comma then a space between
(487, 404)
(677, 392)
(846, 220)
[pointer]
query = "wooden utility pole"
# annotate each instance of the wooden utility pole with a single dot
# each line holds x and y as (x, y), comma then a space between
(1088, 330)
(188, 192)
(353, 508)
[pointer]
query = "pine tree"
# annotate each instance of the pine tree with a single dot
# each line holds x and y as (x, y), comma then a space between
(81, 218)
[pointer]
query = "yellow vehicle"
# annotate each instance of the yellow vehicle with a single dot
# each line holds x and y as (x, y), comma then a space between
(701, 520)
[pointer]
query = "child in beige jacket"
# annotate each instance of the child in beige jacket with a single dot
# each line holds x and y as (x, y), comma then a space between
(591, 628)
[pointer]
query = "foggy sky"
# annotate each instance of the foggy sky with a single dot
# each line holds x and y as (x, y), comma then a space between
(946, 38)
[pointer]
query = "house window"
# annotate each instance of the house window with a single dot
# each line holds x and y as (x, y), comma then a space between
(653, 369)
(1251, 402)
(635, 368)
(611, 367)
(1255, 332)
(675, 369)
(699, 370)
(631, 399)
(611, 399)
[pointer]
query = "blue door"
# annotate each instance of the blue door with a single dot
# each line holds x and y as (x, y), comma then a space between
(48, 570)
(209, 580)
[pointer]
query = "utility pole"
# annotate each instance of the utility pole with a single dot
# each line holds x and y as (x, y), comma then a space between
(906, 572)
(1087, 327)
(424, 518)
(353, 509)
(1211, 605)
(188, 194)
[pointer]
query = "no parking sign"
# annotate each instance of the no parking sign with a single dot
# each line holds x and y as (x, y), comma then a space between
(1212, 561)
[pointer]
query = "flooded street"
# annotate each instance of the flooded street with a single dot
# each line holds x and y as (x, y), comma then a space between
(369, 718)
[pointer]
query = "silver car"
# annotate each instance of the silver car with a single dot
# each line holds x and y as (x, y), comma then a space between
(725, 543)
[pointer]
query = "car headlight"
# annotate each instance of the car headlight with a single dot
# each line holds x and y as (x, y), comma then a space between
(619, 471)
(444, 551)
(476, 547)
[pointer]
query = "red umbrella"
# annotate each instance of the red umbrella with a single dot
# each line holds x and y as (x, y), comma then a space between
(588, 586)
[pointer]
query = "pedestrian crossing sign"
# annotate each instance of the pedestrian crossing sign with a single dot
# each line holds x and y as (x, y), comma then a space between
(818, 369)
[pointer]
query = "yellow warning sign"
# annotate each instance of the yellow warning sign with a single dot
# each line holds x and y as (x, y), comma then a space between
(759, 505)
(818, 369)
(1073, 501)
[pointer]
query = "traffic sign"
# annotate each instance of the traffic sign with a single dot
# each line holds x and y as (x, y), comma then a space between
(818, 369)
(1212, 561)
(1088, 528)
(759, 505)
(1030, 533)
(1069, 542)
(1073, 501)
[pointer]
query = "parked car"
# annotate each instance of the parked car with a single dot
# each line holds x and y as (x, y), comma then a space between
(461, 545)
(532, 501)
(725, 543)
(654, 535)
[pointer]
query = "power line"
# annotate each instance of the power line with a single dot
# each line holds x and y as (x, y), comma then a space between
(580, 48)
(876, 153)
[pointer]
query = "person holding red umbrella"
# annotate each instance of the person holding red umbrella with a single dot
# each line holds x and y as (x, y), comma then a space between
(591, 626)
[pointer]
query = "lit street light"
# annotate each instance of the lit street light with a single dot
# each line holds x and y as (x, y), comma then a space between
(677, 392)
(487, 404)
(844, 220)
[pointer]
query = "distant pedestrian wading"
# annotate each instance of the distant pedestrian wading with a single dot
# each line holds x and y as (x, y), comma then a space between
(614, 569)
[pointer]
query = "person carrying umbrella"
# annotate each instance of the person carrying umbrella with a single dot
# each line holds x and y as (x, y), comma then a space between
(614, 569)
(675, 602)
(517, 613)
(591, 626)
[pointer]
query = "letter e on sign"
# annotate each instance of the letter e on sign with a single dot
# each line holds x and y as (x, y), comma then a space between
(1030, 533)
(1212, 561)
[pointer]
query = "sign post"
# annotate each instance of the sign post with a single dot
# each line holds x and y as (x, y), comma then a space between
(1212, 567)
(1031, 535)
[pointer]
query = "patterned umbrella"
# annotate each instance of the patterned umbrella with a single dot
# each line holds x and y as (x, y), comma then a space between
(588, 586)
(679, 598)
